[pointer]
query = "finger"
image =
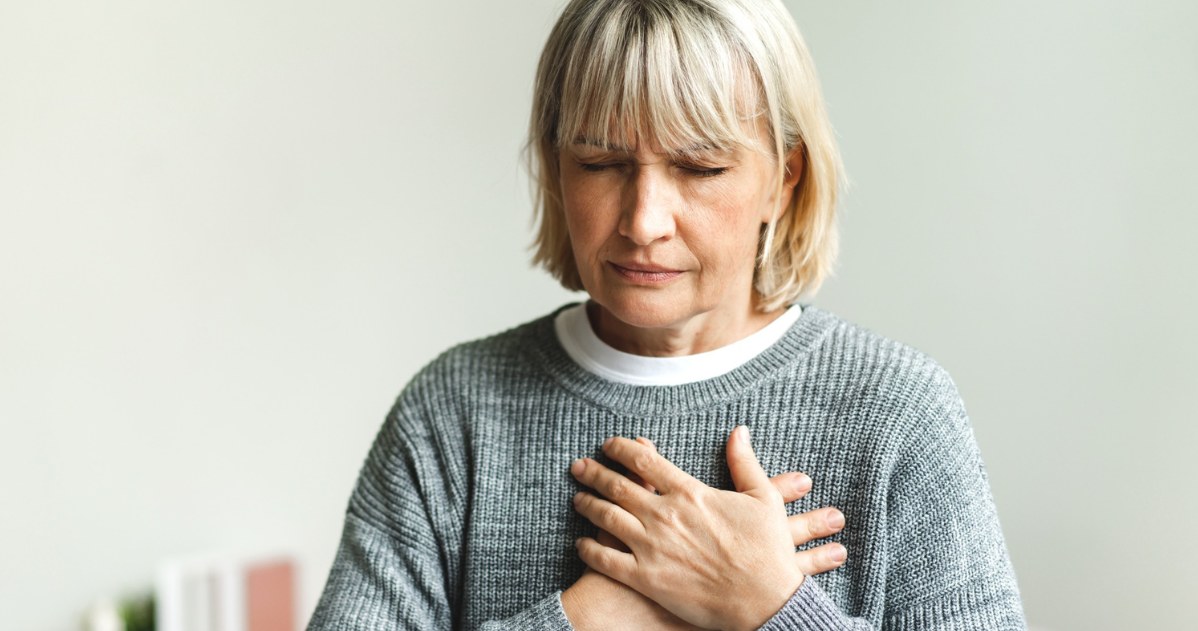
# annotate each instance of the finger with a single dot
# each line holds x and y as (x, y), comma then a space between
(606, 538)
(611, 485)
(647, 463)
(608, 516)
(792, 486)
(636, 478)
(747, 474)
(821, 559)
(817, 524)
(620, 566)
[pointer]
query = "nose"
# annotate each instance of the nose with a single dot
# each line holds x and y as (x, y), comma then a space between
(649, 206)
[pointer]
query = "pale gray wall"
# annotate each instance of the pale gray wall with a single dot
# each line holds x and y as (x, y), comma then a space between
(230, 231)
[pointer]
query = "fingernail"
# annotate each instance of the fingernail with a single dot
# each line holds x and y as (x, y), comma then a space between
(608, 442)
(578, 542)
(838, 554)
(577, 497)
(836, 520)
(578, 466)
(743, 431)
(803, 483)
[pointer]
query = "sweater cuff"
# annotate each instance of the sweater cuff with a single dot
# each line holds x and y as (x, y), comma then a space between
(546, 614)
(809, 609)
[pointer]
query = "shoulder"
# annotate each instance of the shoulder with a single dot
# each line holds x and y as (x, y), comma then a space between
(498, 357)
(475, 370)
(424, 439)
(851, 351)
(879, 381)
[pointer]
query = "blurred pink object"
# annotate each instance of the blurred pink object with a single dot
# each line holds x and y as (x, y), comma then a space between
(227, 592)
(270, 597)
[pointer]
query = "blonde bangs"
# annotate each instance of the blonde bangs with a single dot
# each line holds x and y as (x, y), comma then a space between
(637, 72)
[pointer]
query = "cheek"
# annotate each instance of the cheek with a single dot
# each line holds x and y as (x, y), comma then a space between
(587, 225)
(732, 226)
(580, 219)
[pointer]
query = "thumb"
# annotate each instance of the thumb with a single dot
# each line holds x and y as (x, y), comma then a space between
(747, 473)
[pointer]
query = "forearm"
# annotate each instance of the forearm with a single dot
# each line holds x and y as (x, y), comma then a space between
(377, 583)
(600, 603)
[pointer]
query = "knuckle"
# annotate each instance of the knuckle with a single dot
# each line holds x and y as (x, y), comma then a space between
(619, 489)
(608, 515)
(644, 462)
(585, 503)
(807, 528)
(653, 575)
(597, 559)
(817, 523)
(815, 526)
(669, 516)
(692, 493)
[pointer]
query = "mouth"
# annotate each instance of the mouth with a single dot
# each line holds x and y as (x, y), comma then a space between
(645, 274)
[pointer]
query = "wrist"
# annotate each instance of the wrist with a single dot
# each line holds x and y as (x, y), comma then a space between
(576, 608)
(583, 601)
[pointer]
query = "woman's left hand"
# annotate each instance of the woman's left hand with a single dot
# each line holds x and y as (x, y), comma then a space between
(717, 559)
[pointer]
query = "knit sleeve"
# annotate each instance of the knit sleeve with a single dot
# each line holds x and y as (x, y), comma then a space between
(810, 609)
(378, 583)
(397, 563)
(947, 564)
(949, 567)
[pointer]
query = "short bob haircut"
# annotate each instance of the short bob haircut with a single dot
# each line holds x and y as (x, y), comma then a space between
(685, 73)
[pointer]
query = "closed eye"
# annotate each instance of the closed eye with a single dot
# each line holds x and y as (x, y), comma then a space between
(698, 171)
(596, 167)
(692, 170)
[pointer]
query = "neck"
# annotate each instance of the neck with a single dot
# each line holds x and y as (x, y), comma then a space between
(699, 334)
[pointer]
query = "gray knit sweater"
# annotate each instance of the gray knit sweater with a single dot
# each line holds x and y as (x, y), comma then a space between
(461, 517)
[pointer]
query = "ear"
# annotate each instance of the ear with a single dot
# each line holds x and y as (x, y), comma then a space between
(794, 173)
(790, 178)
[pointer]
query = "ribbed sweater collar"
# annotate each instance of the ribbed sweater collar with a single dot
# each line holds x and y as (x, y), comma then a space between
(662, 401)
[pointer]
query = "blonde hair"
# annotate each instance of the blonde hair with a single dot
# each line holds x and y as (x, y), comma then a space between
(683, 73)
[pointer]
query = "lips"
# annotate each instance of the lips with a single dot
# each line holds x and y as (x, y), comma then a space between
(643, 273)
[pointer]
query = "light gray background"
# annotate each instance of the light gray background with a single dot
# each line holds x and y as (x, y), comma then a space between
(231, 231)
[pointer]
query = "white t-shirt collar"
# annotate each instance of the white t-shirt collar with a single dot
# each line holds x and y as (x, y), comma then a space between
(574, 331)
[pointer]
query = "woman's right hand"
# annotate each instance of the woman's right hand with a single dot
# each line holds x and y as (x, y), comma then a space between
(598, 602)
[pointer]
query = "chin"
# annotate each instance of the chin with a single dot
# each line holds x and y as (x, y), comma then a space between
(645, 311)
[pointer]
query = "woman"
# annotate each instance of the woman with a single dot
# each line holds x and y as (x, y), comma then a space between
(687, 177)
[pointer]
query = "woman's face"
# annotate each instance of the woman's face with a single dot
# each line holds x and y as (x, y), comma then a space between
(664, 241)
